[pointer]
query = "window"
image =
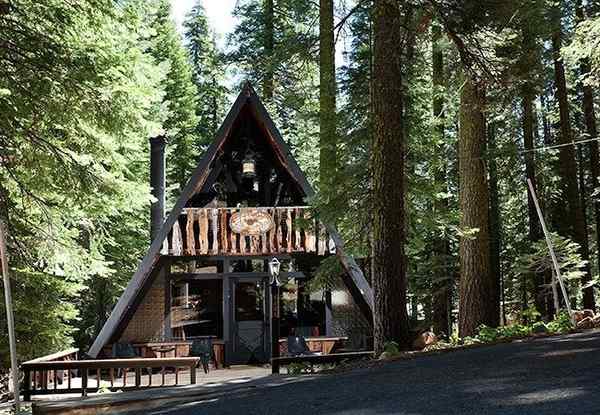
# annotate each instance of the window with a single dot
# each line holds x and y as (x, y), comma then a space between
(197, 308)
(249, 301)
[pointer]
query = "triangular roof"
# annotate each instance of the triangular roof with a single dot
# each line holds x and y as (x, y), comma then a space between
(247, 99)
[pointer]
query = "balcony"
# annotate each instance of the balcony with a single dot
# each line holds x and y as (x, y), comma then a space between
(255, 231)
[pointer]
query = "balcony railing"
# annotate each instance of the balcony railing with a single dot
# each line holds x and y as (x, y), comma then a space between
(247, 231)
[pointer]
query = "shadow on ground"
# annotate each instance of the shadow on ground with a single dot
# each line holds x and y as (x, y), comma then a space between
(546, 376)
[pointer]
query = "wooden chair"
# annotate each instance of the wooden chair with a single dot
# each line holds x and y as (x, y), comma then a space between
(123, 351)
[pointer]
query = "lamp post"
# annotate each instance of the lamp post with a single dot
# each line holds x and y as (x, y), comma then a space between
(274, 269)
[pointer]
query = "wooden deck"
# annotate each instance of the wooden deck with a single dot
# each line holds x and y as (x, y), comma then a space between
(216, 232)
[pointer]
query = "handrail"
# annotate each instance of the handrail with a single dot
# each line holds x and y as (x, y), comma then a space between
(305, 207)
(47, 377)
(54, 356)
(269, 231)
(112, 363)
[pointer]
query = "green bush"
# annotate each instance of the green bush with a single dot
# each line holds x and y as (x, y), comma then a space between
(391, 348)
(561, 323)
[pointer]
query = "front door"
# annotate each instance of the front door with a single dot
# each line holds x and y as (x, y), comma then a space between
(249, 327)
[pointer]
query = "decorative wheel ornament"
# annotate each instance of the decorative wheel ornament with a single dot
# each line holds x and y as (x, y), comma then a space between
(251, 222)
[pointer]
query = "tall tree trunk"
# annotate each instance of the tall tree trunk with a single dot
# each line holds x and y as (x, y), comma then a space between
(442, 280)
(269, 45)
(494, 218)
(327, 108)
(592, 133)
(573, 223)
(478, 290)
(528, 123)
(547, 140)
(390, 319)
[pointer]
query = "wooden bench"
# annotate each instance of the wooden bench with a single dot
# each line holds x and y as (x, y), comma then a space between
(313, 359)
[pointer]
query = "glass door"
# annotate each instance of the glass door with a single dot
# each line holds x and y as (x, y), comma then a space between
(250, 343)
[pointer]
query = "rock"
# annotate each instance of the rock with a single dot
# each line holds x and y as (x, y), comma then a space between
(586, 323)
(424, 339)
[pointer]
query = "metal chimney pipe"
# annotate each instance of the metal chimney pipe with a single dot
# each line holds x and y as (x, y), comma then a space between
(157, 182)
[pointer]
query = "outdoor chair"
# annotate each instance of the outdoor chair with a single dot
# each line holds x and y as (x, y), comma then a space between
(297, 346)
(203, 349)
(123, 351)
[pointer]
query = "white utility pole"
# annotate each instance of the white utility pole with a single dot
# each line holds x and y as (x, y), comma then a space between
(551, 249)
(10, 318)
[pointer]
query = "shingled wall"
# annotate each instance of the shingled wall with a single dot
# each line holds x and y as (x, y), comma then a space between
(148, 321)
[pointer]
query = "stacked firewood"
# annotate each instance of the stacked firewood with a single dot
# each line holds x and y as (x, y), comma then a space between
(586, 319)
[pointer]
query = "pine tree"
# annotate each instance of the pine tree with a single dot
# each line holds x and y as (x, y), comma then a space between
(327, 101)
(389, 233)
(73, 146)
(180, 99)
(273, 46)
(442, 284)
(573, 224)
(208, 74)
(476, 285)
(590, 129)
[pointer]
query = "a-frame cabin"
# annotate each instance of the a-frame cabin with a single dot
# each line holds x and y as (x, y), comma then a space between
(206, 271)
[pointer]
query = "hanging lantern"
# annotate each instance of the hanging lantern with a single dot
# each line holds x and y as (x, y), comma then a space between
(274, 269)
(249, 166)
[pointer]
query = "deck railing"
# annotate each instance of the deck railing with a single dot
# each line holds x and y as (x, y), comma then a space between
(88, 376)
(209, 231)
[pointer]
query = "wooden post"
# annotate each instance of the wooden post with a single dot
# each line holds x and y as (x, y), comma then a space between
(328, 313)
(138, 377)
(193, 374)
(274, 327)
(27, 386)
(10, 318)
(552, 253)
(84, 382)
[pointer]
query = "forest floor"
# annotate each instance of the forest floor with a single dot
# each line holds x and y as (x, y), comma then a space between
(553, 375)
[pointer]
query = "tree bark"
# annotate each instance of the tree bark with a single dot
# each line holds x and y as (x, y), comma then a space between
(536, 279)
(478, 290)
(592, 133)
(390, 319)
(573, 223)
(327, 98)
(269, 45)
(494, 218)
(442, 282)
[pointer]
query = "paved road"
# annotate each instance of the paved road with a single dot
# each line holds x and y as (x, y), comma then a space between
(559, 375)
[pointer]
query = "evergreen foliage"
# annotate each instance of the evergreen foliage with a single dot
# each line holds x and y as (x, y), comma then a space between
(84, 84)
(209, 71)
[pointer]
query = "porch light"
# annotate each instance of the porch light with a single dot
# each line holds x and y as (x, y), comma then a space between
(274, 267)
(249, 166)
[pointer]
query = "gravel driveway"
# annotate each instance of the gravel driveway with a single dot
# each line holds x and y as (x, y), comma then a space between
(558, 375)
